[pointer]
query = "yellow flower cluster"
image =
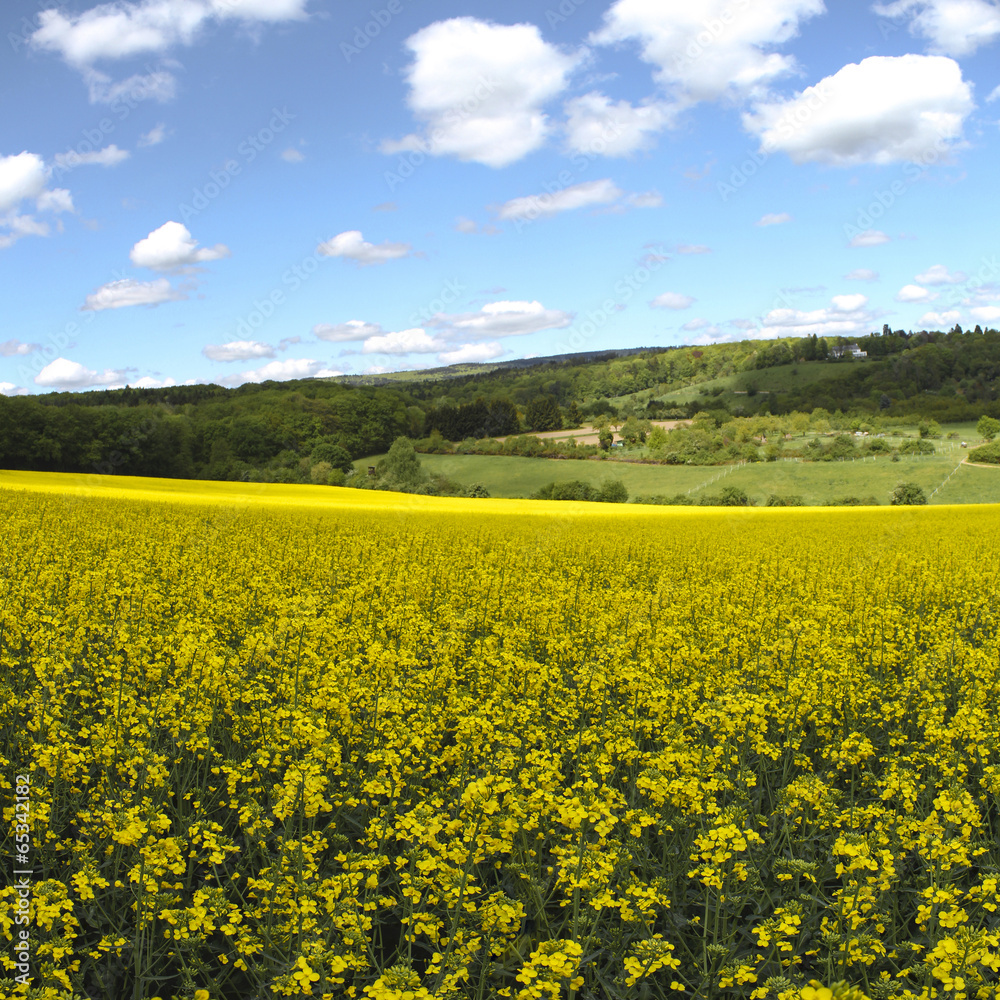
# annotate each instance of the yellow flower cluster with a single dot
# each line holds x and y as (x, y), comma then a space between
(294, 742)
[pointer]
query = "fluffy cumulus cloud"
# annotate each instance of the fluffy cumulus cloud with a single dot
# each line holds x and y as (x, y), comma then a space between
(914, 293)
(861, 274)
(869, 238)
(23, 179)
(986, 314)
(129, 292)
(672, 300)
(951, 27)
(351, 245)
(598, 127)
(706, 49)
(846, 316)
(885, 109)
(353, 329)
(480, 89)
(940, 275)
(470, 353)
(10, 389)
(172, 248)
(238, 350)
(415, 341)
(123, 30)
(501, 319)
(940, 320)
(281, 371)
(65, 374)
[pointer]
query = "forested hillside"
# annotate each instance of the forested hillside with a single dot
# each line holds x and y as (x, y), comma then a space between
(279, 431)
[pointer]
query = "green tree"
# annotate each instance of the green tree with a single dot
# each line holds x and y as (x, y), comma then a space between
(337, 457)
(400, 469)
(542, 414)
(908, 495)
(988, 427)
(605, 437)
(632, 433)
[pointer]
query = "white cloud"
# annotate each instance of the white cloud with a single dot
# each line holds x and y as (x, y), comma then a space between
(129, 292)
(472, 228)
(700, 324)
(940, 275)
(940, 319)
(705, 49)
(469, 353)
(292, 155)
(773, 219)
(952, 27)
(238, 350)
(110, 156)
(159, 85)
(281, 371)
(9, 389)
(503, 319)
(672, 300)
(352, 246)
(596, 126)
(13, 348)
(480, 90)
(415, 341)
(65, 374)
(994, 95)
(154, 136)
(693, 248)
(986, 314)
(57, 200)
(17, 226)
(847, 316)
(861, 274)
(353, 329)
(148, 382)
(21, 176)
(645, 199)
(173, 248)
(869, 238)
(914, 293)
(882, 110)
(121, 30)
(602, 192)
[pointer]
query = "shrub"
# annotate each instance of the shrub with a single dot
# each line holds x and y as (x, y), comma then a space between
(986, 453)
(774, 500)
(908, 495)
(477, 490)
(916, 448)
(612, 491)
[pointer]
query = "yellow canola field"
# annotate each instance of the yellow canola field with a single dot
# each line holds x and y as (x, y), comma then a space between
(294, 742)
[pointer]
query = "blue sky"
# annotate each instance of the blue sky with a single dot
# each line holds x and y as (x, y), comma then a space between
(234, 190)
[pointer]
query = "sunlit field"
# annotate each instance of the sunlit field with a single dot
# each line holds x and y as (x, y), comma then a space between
(316, 742)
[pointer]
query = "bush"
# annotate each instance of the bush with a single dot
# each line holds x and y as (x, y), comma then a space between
(612, 491)
(477, 490)
(784, 501)
(988, 427)
(986, 453)
(916, 448)
(908, 495)
(853, 502)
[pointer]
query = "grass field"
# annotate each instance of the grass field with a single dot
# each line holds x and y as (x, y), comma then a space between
(815, 482)
(307, 742)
